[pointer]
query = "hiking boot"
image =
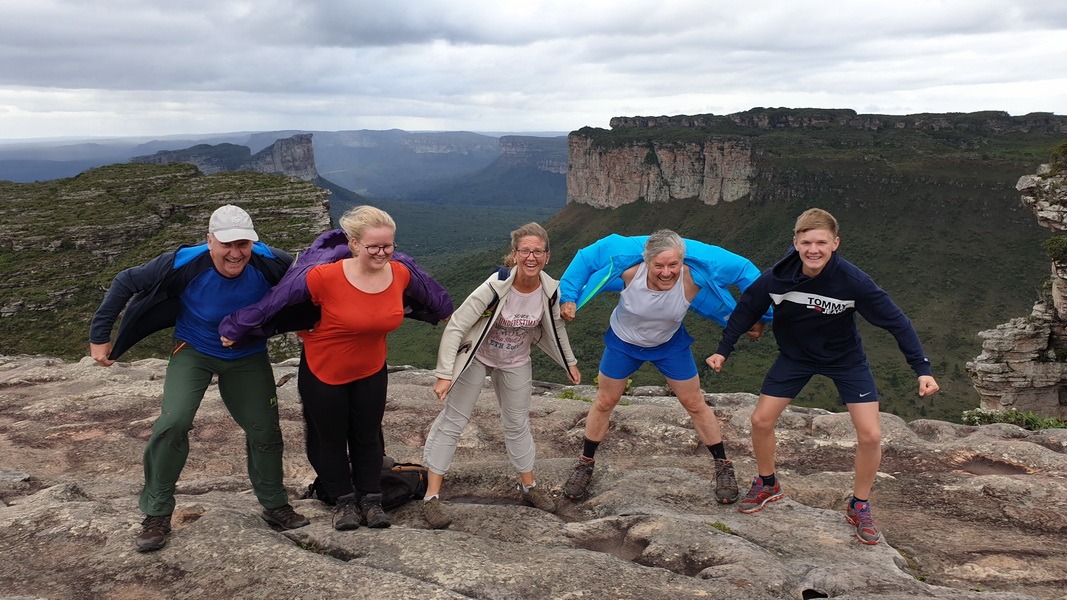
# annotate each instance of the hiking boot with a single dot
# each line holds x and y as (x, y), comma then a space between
(373, 514)
(578, 482)
(726, 491)
(760, 494)
(537, 497)
(435, 513)
(284, 517)
(154, 531)
(860, 517)
(346, 515)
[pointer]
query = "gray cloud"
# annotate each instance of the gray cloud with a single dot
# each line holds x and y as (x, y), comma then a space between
(75, 67)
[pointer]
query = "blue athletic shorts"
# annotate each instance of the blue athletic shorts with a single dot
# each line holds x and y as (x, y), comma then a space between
(787, 377)
(673, 358)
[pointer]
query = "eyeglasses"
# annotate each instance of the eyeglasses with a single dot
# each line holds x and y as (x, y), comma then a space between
(376, 250)
(537, 253)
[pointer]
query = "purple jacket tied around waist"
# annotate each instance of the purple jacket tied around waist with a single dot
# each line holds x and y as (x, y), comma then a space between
(288, 307)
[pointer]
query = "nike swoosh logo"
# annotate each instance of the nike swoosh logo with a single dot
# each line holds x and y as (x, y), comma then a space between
(865, 394)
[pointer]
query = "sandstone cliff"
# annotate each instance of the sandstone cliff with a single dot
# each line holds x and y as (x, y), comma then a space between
(966, 512)
(293, 156)
(1023, 364)
(543, 154)
(773, 154)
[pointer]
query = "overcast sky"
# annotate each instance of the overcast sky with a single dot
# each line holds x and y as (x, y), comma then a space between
(151, 67)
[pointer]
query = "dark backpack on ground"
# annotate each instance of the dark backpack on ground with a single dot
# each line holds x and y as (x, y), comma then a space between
(401, 483)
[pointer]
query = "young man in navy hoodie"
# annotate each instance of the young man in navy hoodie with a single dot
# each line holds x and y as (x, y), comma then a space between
(816, 294)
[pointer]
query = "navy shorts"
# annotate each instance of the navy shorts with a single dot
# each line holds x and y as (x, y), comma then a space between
(673, 358)
(787, 377)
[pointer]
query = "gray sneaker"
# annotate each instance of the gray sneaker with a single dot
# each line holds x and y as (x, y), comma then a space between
(435, 513)
(725, 483)
(537, 497)
(578, 483)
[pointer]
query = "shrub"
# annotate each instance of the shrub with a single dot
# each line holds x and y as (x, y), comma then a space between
(1056, 248)
(1026, 420)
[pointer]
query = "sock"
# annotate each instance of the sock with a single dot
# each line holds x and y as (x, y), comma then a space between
(526, 488)
(768, 480)
(428, 498)
(589, 449)
(852, 503)
(718, 450)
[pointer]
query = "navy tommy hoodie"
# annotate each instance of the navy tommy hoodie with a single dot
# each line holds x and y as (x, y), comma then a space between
(815, 317)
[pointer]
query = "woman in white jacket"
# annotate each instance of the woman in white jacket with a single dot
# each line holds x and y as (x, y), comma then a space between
(491, 333)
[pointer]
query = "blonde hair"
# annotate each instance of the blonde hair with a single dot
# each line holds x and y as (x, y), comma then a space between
(529, 229)
(358, 220)
(815, 218)
(660, 242)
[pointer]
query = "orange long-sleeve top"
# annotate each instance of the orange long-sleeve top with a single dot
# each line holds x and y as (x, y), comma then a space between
(348, 342)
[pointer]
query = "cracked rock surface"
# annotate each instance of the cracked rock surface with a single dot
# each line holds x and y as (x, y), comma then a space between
(966, 512)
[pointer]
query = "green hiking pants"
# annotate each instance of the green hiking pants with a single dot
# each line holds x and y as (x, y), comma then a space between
(247, 389)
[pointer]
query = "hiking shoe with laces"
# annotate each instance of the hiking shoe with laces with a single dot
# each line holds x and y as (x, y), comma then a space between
(578, 483)
(373, 514)
(346, 515)
(726, 491)
(284, 517)
(760, 494)
(537, 497)
(435, 513)
(860, 517)
(154, 531)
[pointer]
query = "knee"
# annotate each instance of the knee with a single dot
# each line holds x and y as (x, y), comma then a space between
(605, 403)
(762, 423)
(694, 404)
(869, 438)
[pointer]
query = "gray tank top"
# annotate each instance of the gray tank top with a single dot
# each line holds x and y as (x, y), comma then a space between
(647, 317)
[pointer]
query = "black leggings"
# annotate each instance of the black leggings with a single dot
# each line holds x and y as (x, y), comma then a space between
(344, 430)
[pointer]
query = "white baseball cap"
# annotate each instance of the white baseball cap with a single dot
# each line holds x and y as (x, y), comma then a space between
(230, 223)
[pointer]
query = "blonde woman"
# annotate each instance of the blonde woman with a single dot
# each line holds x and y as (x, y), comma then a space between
(491, 333)
(342, 377)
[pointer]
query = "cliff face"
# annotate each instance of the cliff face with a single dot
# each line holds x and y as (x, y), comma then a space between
(716, 158)
(543, 154)
(713, 170)
(1022, 364)
(293, 156)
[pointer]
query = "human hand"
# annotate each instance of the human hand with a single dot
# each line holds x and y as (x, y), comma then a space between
(927, 385)
(715, 361)
(574, 374)
(567, 310)
(100, 353)
(440, 387)
(756, 331)
(226, 342)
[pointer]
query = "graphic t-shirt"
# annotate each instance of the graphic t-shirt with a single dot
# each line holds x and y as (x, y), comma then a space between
(508, 343)
(348, 342)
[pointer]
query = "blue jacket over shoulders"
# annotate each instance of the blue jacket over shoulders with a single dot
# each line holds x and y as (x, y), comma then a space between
(599, 267)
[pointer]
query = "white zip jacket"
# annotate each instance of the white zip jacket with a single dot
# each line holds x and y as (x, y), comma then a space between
(470, 324)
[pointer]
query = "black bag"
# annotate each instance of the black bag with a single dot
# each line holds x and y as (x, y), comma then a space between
(401, 483)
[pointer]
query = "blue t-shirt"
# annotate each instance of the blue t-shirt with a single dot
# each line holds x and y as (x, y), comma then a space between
(210, 297)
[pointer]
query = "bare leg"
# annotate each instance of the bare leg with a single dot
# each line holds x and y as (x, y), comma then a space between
(868, 448)
(433, 483)
(599, 417)
(692, 400)
(766, 414)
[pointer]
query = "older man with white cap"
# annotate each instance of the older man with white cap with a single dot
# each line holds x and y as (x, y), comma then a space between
(192, 289)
